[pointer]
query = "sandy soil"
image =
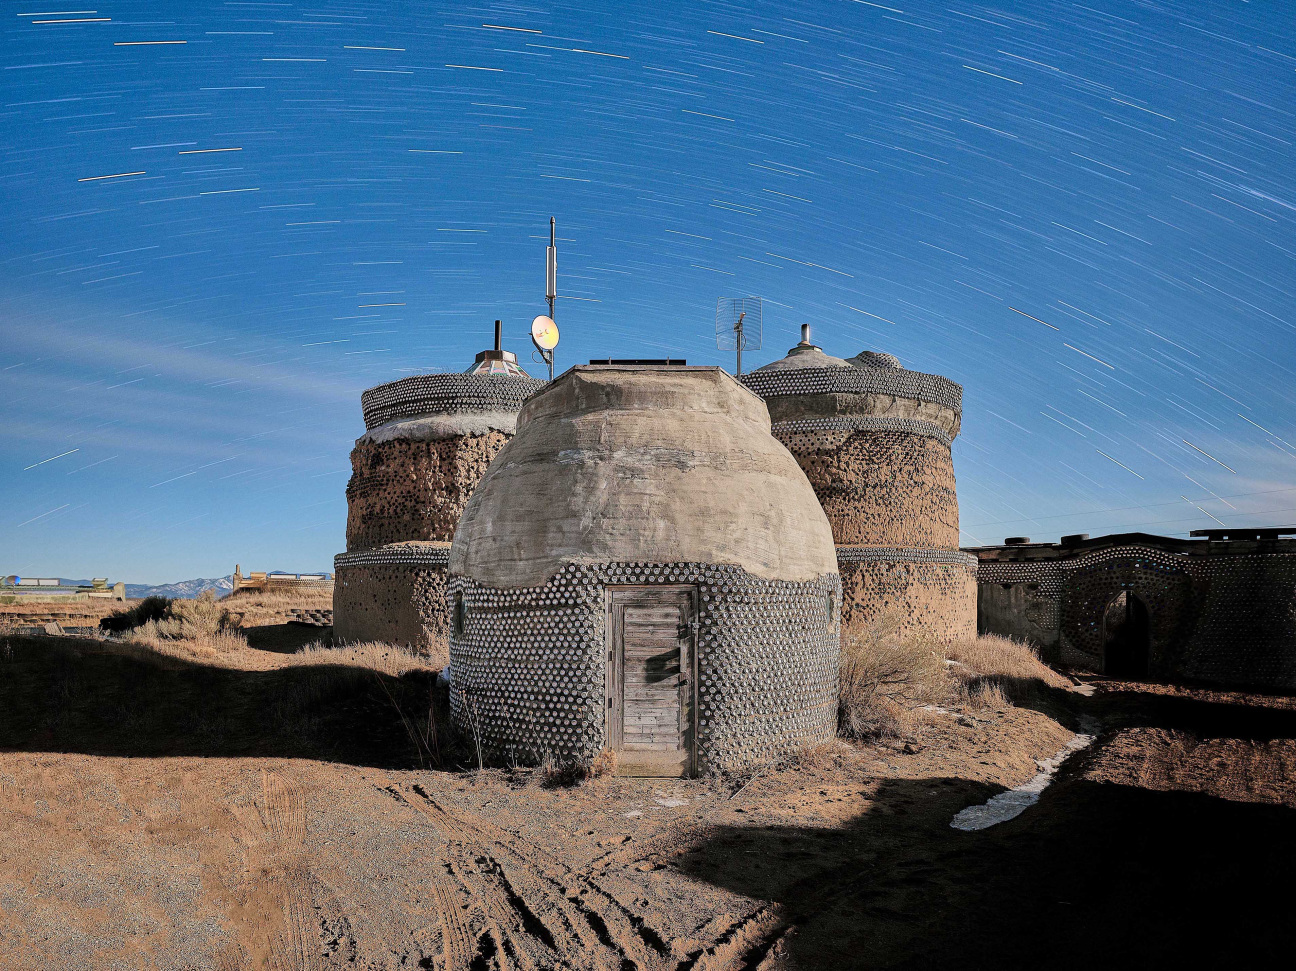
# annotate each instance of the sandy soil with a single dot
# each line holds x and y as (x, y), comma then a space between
(212, 831)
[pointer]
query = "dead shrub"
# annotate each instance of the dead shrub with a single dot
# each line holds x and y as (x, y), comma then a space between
(992, 656)
(389, 659)
(202, 627)
(605, 763)
(884, 672)
(555, 772)
(150, 608)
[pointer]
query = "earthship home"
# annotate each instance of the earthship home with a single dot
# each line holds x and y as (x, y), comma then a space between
(645, 568)
(875, 440)
(1219, 608)
(427, 443)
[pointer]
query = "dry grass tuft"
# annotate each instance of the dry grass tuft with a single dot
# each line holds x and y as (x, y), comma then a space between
(560, 773)
(889, 679)
(884, 673)
(389, 659)
(191, 628)
(992, 656)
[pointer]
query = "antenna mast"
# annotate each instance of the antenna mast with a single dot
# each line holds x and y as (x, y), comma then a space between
(544, 332)
(739, 326)
(551, 271)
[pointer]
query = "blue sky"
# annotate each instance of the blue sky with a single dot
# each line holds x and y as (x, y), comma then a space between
(1083, 212)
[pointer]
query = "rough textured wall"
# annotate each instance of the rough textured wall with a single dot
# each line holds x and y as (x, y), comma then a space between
(530, 666)
(409, 489)
(1213, 616)
(396, 594)
(938, 598)
(880, 488)
(1092, 583)
(1019, 611)
(1246, 628)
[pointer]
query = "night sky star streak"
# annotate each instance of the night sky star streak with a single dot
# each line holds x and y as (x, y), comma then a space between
(296, 204)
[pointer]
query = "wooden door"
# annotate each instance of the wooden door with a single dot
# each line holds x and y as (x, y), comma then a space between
(651, 679)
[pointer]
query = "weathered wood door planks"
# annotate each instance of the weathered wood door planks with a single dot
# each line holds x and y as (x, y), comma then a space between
(650, 679)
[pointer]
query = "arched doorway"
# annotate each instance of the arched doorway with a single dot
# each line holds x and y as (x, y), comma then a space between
(1126, 637)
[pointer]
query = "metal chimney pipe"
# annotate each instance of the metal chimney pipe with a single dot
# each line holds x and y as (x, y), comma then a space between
(499, 335)
(805, 333)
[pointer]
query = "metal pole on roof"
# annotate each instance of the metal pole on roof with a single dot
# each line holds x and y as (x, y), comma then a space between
(551, 283)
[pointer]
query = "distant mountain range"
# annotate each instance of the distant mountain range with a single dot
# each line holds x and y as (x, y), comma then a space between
(182, 589)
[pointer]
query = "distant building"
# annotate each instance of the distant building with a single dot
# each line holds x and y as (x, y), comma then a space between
(1219, 608)
(279, 582)
(35, 589)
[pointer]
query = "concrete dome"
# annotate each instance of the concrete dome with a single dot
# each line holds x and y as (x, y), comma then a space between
(644, 568)
(662, 465)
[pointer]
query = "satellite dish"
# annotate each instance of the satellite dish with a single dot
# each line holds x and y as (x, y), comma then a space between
(545, 333)
(738, 325)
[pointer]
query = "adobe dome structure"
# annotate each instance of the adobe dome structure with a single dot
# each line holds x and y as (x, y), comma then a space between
(874, 439)
(644, 567)
(427, 443)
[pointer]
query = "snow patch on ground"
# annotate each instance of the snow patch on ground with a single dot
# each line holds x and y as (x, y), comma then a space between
(1011, 804)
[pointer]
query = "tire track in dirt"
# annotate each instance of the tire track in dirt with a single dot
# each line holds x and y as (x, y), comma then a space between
(295, 946)
(456, 938)
(546, 910)
(511, 933)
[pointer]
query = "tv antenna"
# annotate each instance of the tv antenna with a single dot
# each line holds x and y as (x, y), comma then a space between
(544, 331)
(738, 325)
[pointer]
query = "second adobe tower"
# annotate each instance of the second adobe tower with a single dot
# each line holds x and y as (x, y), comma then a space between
(874, 439)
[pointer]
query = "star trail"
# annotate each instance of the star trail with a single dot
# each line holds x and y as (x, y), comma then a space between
(223, 221)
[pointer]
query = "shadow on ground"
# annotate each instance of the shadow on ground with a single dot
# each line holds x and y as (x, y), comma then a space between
(69, 695)
(285, 638)
(1095, 875)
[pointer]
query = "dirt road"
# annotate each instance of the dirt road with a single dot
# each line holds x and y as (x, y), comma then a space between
(1164, 842)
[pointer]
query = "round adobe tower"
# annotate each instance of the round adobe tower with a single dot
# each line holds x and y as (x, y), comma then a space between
(644, 568)
(874, 439)
(428, 441)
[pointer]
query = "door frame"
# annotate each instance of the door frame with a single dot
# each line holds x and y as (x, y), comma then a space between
(614, 711)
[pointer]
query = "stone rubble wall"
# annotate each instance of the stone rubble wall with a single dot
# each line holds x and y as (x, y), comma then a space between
(879, 487)
(408, 489)
(530, 666)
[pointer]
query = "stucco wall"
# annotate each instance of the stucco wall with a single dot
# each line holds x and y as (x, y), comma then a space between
(395, 594)
(938, 598)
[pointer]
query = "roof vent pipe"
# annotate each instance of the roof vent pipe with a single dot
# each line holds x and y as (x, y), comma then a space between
(805, 333)
(499, 335)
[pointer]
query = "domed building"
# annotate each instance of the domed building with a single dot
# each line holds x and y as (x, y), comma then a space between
(428, 441)
(874, 439)
(644, 568)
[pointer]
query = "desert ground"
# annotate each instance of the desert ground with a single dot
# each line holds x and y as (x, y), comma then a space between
(226, 805)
